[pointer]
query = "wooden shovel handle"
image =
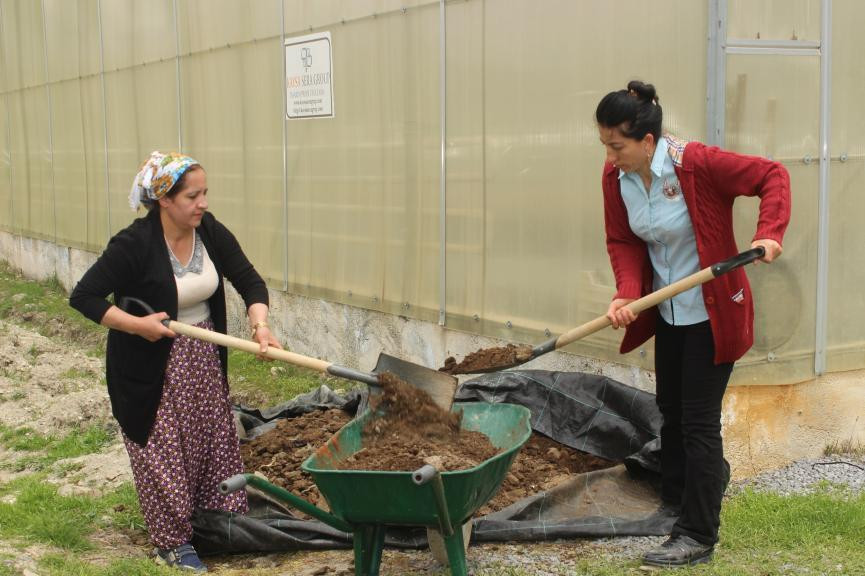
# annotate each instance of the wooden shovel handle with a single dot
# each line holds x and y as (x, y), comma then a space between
(664, 293)
(247, 346)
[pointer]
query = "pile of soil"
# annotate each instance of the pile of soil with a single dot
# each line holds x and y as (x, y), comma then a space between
(488, 360)
(411, 429)
(278, 453)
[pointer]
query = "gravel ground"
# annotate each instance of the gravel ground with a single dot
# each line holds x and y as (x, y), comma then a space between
(805, 476)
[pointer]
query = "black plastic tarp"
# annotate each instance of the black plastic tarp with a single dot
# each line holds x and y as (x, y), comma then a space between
(587, 412)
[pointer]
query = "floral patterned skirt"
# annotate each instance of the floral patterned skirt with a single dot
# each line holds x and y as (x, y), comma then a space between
(192, 446)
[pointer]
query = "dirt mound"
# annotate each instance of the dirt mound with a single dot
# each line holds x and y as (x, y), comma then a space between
(488, 360)
(278, 453)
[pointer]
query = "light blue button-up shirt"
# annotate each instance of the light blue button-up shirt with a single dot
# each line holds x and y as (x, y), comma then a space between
(660, 218)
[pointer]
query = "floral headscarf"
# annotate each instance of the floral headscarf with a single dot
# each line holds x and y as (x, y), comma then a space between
(156, 177)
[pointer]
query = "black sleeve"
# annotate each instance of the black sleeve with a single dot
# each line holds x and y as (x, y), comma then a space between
(238, 269)
(119, 263)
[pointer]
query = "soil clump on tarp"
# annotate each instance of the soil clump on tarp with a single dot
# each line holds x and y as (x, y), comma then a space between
(541, 464)
(410, 428)
(488, 360)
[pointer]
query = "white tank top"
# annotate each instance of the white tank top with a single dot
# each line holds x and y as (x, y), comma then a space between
(194, 289)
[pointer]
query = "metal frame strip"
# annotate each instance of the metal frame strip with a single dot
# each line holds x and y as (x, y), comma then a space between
(284, 153)
(823, 192)
(443, 168)
(716, 73)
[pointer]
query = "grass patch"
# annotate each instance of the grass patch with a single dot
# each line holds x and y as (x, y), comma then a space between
(32, 511)
(44, 307)
(76, 373)
(38, 514)
(12, 396)
(49, 448)
(762, 534)
(6, 570)
(260, 383)
(848, 446)
(56, 565)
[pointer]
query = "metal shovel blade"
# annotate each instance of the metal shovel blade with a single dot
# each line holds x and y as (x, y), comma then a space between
(440, 386)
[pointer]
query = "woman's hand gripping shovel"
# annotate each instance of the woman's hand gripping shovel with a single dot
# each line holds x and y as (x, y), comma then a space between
(495, 359)
(441, 387)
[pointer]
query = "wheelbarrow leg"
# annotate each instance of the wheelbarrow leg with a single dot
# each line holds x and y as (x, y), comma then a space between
(455, 546)
(368, 544)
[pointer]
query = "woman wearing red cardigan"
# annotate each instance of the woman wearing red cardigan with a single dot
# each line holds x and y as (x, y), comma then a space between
(668, 208)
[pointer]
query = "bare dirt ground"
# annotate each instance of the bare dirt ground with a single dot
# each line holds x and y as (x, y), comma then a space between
(49, 385)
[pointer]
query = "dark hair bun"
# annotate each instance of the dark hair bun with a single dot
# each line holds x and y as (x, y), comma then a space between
(643, 92)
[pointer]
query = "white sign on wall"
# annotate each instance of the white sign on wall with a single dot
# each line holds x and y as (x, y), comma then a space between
(309, 77)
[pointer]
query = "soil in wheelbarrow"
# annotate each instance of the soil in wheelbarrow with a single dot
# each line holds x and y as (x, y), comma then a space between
(541, 463)
(411, 429)
(488, 360)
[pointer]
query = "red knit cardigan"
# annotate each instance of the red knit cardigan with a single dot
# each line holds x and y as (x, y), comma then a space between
(710, 179)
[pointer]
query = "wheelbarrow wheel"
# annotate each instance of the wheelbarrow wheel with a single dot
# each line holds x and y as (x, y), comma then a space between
(437, 543)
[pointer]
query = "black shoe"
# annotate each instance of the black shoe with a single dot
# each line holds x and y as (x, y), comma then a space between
(679, 550)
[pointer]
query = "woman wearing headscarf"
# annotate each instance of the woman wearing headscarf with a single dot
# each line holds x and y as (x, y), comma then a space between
(668, 212)
(169, 393)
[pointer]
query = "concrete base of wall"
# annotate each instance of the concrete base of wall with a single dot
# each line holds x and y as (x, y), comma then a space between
(765, 427)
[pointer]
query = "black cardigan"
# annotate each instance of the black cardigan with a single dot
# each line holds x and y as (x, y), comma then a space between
(136, 263)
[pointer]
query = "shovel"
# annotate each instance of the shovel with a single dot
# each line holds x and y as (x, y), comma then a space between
(510, 356)
(441, 387)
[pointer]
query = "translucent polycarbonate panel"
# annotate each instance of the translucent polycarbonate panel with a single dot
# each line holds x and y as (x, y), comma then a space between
(765, 117)
(70, 170)
(774, 19)
(526, 241)
(6, 222)
(846, 302)
(363, 187)
(235, 130)
(72, 28)
(219, 24)
(136, 33)
(302, 17)
(23, 44)
(33, 205)
(95, 169)
(140, 119)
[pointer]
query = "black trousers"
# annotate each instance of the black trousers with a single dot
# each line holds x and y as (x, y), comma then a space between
(690, 388)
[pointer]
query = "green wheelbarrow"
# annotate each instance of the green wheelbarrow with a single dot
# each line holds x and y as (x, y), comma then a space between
(364, 502)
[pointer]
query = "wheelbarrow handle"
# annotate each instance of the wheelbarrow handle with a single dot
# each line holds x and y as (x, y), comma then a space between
(221, 339)
(653, 299)
(233, 484)
(424, 475)
(239, 481)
